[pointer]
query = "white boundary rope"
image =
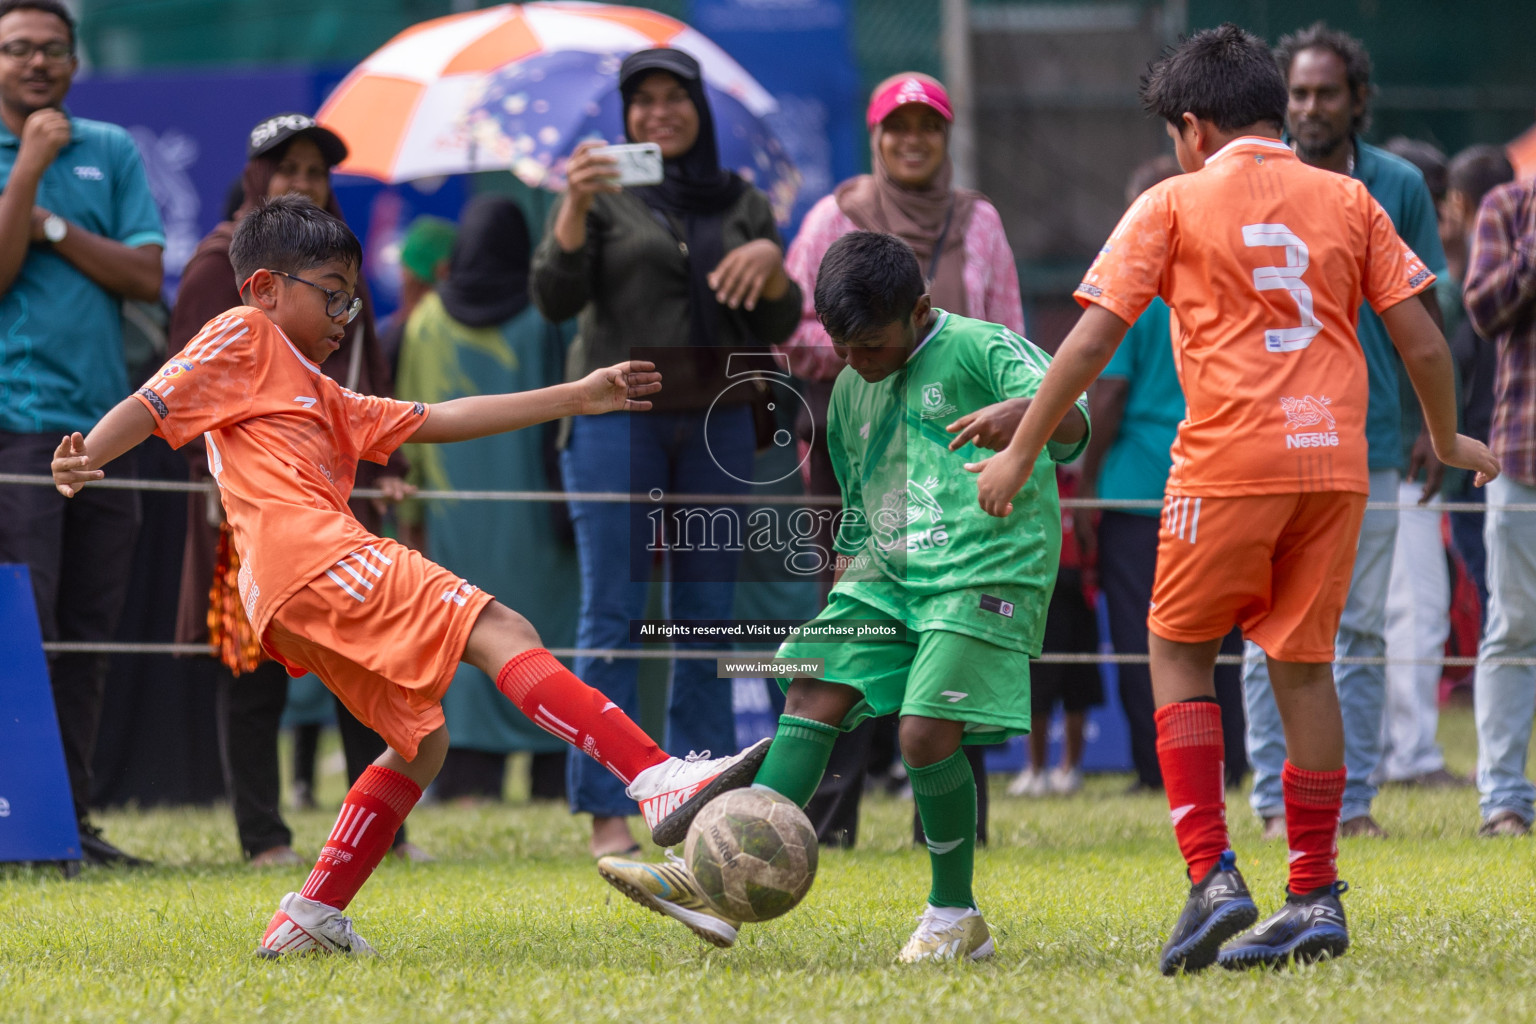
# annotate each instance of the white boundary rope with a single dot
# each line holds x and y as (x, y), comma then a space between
(814, 500)
(67, 647)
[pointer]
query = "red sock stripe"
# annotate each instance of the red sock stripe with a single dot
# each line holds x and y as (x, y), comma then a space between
(385, 784)
(375, 806)
(1312, 801)
(1312, 789)
(519, 676)
(564, 706)
(1189, 724)
(1190, 752)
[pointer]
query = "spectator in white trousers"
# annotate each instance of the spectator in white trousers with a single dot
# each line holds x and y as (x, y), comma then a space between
(1419, 590)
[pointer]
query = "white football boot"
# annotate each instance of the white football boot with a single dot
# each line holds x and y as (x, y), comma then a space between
(304, 926)
(669, 888)
(672, 793)
(948, 933)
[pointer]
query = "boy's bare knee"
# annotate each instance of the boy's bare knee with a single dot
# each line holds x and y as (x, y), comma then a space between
(820, 701)
(499, 635)
(926, 741)
(431, 750)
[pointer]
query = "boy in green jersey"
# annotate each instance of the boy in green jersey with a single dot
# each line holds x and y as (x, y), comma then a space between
(921, 388)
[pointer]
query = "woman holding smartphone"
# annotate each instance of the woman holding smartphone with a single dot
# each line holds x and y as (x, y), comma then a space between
(687, 270)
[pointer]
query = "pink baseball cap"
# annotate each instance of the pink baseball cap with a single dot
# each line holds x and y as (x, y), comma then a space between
(908, 87)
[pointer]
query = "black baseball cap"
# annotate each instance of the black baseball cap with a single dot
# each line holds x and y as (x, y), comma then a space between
(676, 62)
(277, 131)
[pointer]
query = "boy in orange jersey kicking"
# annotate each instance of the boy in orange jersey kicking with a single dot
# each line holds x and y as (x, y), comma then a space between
(1264, 262)
(381, 625)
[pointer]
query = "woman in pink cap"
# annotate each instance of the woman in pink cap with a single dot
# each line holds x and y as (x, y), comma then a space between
(959, 241)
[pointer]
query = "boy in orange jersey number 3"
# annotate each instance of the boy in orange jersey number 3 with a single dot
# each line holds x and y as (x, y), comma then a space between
(1264, 262)
(383, 627)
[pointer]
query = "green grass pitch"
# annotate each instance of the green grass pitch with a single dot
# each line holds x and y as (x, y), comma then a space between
(513, 924)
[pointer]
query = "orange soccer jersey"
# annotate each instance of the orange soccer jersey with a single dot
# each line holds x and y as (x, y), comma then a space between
(284, 441)
(1264, 262)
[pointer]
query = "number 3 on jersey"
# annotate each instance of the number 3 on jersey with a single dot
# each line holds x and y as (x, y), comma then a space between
(1286, 278)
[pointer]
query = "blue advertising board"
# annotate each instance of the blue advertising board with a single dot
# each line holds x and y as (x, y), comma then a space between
(37, 813)
(801, 52)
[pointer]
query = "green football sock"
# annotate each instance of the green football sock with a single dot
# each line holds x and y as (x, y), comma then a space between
(798, 758)
(945, 794)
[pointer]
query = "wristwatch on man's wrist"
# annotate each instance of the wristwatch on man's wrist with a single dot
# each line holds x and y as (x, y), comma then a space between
(55, 228)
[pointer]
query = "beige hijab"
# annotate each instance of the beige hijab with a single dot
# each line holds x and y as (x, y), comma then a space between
(921, 217)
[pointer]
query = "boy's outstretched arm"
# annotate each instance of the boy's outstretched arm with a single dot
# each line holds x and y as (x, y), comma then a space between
(610, 389)
(78, 460)
(1428, 362)
(1082, 356)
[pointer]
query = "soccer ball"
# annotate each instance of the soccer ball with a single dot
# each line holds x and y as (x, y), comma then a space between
(753, 853)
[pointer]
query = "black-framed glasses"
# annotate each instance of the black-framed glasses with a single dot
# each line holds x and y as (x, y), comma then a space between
(336, 302)
(23, 50)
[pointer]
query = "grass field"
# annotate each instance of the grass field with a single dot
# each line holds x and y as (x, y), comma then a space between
(513, 924)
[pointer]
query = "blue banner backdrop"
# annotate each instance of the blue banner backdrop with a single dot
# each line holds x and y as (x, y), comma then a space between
(191, 130)
(801, 51)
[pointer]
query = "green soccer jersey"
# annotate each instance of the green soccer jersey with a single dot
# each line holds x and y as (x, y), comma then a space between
(918, 544)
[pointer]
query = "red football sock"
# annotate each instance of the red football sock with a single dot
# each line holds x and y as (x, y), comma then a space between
(1312, 801)
(375, 806)
(564, 706)
(1190, 751)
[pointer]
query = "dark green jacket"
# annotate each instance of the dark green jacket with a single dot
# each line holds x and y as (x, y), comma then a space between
(628, 288)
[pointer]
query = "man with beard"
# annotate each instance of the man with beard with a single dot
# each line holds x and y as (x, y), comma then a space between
(1328, 83)
(79, 233)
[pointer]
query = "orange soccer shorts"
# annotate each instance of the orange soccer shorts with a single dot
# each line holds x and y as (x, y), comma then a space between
(384, 628)
(1278, 565)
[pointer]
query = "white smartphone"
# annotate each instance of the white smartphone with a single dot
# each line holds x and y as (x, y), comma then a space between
(639, 162)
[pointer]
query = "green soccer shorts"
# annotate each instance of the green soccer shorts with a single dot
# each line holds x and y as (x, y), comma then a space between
(933, 673)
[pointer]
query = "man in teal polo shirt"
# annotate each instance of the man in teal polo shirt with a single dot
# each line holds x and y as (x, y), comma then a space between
(79, 232)
(1328, 77)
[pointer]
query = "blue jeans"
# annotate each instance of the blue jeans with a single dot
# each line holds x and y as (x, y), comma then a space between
(639, 453)
(1505, 695)
(1362, 688)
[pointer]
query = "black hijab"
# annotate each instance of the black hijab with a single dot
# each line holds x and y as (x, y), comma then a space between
(695, 189)
(488, 269)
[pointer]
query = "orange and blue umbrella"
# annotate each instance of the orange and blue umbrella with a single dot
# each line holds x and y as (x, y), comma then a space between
(529, 115)
(515, 87)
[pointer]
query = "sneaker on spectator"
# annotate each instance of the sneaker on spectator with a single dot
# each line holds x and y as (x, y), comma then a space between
(1065, 781)
(1029, 782)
